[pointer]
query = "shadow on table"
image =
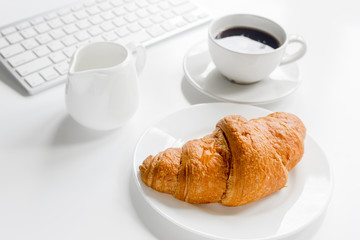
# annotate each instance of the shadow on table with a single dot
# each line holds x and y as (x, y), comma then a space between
(71, 132)
(11, 82)
(163, 229)
(192, 95)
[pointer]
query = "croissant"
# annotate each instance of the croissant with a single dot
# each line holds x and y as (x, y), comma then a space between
(241, 161)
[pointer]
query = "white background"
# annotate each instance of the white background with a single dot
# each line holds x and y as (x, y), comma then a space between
(59, 180)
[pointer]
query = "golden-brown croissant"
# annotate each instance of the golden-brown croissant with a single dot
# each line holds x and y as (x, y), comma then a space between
(240, 162)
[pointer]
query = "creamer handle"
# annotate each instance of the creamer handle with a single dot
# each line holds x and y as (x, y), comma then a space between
(140, 56)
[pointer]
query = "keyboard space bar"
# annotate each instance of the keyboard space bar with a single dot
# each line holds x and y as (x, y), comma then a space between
(33, 66)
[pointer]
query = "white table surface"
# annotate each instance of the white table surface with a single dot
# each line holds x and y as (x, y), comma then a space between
(59, 180)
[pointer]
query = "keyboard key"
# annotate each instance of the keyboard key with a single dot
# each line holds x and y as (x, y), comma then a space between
(8, 30)
(119, 22)
(23, 25)
(142, 13)
(55, 23)
(131, 17)
(64, 11)
(36, 21)
(21, 58)
(181, 23)
(168, 15)
(142, 3)
(145, 23)
(28, 33)
(122, 32)
(164, 5)
(81, 36)
(177, 2)
(30, 43)
(190, 17)
(107, 26)
(130, 7)
(57, 34)
(134, 27)
(80, 14)
(138, 37)
(81, 44)
(49, 73)
(94, 31)
(67, 19)
(69, 40)
(44, 38)
(76, 7)
(93, 10)
(105, 6)
(14, 38)
(55, 45)
(116, 3)
(34, 80)
(96, 39)
(107, 15)
(41, 28)
(11, 50)
(83, 24)
(33, 66)
(155, 31)
(41, 51)
(141, 36)
(168, 26)
(57, 57)
(157, 19)
(3, 43)
(96, 20)
(119, 11)
(153, 9)
(50, 16)
(69, 51)
(62, 68)
(182, 9)
(110, 36)
(89, 3)
(70, 28)
(203, 15)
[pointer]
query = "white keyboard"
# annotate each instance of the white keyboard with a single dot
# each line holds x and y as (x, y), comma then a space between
(37, 50)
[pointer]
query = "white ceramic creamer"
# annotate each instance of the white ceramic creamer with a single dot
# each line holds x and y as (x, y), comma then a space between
(102, 88)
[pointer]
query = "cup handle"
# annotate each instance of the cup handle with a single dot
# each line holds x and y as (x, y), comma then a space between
(140, 56)
(288, 58)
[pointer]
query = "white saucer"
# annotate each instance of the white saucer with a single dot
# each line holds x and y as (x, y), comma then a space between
(280, 215)
(203, 75)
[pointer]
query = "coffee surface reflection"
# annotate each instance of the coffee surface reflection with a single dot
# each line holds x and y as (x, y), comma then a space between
(247, 40)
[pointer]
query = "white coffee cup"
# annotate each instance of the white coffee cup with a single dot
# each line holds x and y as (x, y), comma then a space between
(102, 87)
(251, 66)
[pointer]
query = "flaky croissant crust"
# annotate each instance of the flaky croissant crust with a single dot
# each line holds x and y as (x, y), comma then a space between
(240, 162)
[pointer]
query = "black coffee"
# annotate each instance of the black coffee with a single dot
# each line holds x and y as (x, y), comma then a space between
(249, 40)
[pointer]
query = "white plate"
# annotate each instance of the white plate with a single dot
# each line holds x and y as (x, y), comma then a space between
(203, 75)
(280, 215)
